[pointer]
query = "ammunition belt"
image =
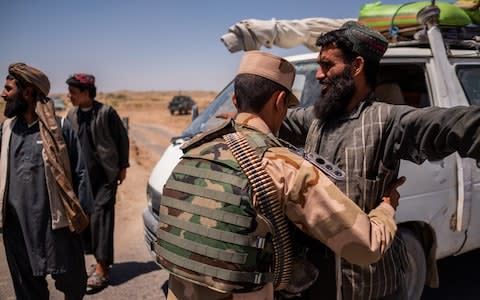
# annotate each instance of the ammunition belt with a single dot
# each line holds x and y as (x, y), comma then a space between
(268, 204)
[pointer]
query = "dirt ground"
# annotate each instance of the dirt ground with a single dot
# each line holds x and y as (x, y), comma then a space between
(135, 275)
(150, 108)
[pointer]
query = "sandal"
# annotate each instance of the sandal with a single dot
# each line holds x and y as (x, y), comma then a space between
(96, 283)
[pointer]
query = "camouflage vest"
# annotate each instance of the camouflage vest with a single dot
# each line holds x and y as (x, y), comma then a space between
(209, 231)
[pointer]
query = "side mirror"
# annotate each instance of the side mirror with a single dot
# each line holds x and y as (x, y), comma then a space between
(194, 112)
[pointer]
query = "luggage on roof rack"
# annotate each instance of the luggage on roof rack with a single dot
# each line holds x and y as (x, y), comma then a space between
(253, 34)
(472, 8)
(400, 20)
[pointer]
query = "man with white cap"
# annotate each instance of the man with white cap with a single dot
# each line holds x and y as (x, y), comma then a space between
(43, 185)
(230, 204)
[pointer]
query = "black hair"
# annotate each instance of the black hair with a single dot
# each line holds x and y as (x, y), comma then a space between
(338, 40)
(21, 85)
(253, 92)
(92, 90)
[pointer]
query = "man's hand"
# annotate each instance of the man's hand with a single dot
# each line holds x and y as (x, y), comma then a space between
(121, 176)
(391, 194)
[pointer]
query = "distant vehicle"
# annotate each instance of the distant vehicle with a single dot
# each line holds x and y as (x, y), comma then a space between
(181, 104)
(58, 104)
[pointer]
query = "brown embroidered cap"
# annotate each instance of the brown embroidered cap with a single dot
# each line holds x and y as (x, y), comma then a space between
(26, 74)
(366, 41)
(271, 67)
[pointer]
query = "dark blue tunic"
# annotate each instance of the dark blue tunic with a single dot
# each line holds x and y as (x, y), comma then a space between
(28, 219)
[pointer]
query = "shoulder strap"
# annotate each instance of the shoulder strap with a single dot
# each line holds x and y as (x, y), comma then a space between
(269, 206)
(57, 164)
(204, 137)
(318, 161)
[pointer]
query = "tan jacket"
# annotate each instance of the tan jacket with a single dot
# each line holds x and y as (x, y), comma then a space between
(315, 205)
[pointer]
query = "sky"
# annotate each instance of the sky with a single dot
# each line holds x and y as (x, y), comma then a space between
(143, 45)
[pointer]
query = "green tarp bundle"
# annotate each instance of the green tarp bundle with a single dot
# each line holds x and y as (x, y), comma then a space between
(383, 17)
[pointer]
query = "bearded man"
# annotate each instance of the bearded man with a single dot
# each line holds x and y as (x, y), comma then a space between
(367, 138)
(41, 173)
(216, 205)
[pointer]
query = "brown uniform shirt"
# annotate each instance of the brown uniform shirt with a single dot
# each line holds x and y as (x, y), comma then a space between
(315, 205)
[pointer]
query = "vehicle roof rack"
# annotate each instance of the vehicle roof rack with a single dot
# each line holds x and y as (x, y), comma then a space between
(252, 34)
(452, 44)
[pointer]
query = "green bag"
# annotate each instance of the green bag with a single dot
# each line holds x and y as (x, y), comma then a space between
(472, 8)
(383, 17)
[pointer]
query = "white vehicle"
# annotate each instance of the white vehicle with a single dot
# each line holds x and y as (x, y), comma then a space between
(439, 215)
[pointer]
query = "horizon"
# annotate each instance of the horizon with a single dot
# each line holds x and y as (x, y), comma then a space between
(145, 45)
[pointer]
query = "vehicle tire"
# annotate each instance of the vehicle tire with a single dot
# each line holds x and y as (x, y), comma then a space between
(172, 112)
(417, 264)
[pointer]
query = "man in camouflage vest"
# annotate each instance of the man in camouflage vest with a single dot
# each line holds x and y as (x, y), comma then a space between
(219, 232)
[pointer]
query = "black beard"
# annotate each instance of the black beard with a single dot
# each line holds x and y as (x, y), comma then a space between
(15, 106)
(340, 92)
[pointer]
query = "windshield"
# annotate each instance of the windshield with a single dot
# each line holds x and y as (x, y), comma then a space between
(305, 87)
(469, 77)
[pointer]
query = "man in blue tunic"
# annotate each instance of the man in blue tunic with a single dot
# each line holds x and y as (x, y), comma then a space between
(42, 176)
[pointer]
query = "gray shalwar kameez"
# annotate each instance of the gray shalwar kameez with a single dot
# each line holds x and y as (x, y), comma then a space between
(33, 249)
(368, 144)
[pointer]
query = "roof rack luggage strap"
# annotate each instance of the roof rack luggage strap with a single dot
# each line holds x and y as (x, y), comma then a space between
(268, 204)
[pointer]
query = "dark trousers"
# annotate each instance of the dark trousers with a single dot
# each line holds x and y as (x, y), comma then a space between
(323, 259)
(325, 284)
(98, 237)
(72, 282)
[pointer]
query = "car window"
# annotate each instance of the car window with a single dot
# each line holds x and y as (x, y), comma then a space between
(403, 84)
(469, 77)
(306, 86)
